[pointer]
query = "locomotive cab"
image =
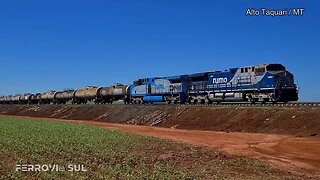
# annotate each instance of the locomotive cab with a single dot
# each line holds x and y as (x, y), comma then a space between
(284, 88)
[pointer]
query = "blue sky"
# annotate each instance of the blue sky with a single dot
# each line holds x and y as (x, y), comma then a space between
(70, 44)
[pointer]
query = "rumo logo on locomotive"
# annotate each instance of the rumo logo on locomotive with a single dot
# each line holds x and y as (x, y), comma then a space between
(258, 83)
(219, 80)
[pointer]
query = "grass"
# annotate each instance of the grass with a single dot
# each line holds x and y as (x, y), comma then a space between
(110, 154)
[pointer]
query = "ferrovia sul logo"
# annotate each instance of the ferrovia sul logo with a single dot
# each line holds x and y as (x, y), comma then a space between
(219, 80)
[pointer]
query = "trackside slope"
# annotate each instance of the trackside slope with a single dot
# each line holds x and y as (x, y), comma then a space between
(302, 122)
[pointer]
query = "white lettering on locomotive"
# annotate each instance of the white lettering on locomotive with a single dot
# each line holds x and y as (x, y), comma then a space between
(219, 80)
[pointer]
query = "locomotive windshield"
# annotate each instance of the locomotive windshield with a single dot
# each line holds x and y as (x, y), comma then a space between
(138, 82)
(275, 67)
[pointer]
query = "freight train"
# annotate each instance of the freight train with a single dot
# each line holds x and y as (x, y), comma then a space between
(259, 83)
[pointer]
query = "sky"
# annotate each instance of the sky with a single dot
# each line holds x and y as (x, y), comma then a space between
(54, 45)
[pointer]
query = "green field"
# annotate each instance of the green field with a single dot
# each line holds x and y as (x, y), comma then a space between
(110, 154)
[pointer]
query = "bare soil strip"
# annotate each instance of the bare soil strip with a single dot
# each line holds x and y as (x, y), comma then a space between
(295, 154)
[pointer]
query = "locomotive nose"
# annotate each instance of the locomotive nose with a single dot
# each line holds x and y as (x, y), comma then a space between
(285, 86)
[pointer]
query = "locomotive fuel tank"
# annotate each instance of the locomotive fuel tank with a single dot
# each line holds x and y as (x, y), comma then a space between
(90, 92)
(153, 99)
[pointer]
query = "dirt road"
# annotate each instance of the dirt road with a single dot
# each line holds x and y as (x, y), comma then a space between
(297, 155)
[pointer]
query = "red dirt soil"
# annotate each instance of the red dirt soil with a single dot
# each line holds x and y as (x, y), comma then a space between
(298, 155)
(286, 137)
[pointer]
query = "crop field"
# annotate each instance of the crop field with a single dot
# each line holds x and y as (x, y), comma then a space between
(109, 154)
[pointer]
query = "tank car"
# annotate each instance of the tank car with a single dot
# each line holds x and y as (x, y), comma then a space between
(7, 99)
(25, 99)
(15, 99)
(2, 99)
(82, 96)
(62, 97)
(35, 98)
(113, 93)
(47, 97)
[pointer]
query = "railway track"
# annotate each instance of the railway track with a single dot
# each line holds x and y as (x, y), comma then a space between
(222, 104)
(295, 104)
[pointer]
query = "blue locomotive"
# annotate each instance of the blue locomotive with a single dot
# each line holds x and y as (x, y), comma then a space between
(259, 83)
(159, 89)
